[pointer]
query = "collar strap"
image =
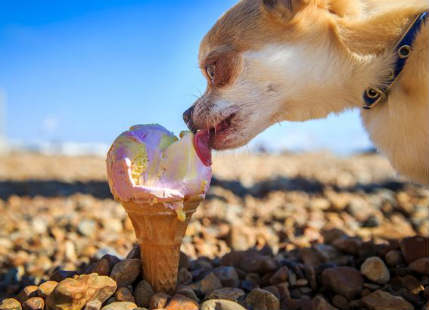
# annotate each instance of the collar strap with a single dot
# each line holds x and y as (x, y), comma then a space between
(374, 95)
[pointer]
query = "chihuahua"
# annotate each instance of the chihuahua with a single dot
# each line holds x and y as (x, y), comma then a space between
(268, 61)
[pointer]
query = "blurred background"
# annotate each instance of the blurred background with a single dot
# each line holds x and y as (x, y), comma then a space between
(76, 73)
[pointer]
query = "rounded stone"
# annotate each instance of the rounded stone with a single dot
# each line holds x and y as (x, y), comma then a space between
(262, 300)
(393, 258)
(227, 275)
(143, 293)
(180, 302)
(120, 305)
(221, 304)
(10, 304)
(75, 292)
(381, 300)
(229, 293)
(375, 270)
(46, 288)
(124, 294)
(126, 272)
(420, 265)
(27, 292)
(346, 281)
(158, 301)
(34, 303)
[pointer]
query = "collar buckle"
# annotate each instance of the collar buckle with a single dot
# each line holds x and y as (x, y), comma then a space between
(373, 96)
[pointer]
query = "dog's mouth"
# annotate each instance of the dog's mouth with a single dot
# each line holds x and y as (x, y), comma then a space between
(221, 128)
(213, 137)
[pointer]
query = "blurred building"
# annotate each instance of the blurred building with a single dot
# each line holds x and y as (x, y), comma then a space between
(3, 141)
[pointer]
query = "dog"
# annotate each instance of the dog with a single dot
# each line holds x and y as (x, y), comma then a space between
(268, 61)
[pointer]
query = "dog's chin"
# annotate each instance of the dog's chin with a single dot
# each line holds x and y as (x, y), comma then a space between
(230, 139)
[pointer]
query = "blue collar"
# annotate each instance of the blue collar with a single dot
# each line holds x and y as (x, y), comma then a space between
(374, 95)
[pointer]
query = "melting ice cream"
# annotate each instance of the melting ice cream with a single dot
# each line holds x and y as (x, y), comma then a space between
(148, 163)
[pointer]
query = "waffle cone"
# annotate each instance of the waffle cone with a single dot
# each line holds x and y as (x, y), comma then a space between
(160, 233)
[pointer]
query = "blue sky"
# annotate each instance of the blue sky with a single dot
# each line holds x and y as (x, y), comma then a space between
(85, 70)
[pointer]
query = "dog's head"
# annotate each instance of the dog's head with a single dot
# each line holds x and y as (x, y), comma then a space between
(265, 61)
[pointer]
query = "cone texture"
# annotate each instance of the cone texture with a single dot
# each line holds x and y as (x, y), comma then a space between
(159, 233)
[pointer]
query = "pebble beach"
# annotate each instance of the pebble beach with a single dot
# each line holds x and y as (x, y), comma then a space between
(291, 231)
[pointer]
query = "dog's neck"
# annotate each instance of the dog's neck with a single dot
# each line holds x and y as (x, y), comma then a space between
(372, 59)
(377, 34)
(399, 126)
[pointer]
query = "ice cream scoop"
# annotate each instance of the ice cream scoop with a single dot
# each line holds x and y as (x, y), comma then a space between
(160, 180)
(149, 163)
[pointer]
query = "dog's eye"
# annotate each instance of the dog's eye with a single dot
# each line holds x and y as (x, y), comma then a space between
(211, 69)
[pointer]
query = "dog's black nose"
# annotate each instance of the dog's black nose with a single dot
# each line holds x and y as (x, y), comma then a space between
(187, 117)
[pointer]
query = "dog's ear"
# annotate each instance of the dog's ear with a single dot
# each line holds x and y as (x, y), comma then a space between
(284, 9)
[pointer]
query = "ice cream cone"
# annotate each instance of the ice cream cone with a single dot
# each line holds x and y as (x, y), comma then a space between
(159, 233)
(160, 180)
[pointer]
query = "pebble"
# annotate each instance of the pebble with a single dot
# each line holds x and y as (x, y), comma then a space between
(184, 276)
(283, 290)
(124, 294)
(87, 227)
(94, 305)
(340, 302)
(320, 303)
(134, 253)
(101, 267)
(375, 270)
(143, 293)
(126, 271)
(348, 245)
(188, 292)
(248, 285)
(158, 300)
(183, 260)
(381, 300)
(229, 293)
(34, 303)
(10, 304)
(413, 248)
(301, 282)
(208, 284)
(59, 275)
(180, 302)
(251, 261)
(76, 292)
(345, 281)
(280, 276)
(27, 292)
(301, 219)
(414, 286)
(120, 305)
(310, 274)
(393, 258)
(227, 275)
(241, 237)
(262, 300)
(420, 265)
(46, 288)
(221, 304)
(273, 289)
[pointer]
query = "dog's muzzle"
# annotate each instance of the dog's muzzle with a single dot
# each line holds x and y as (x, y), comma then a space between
(187, 118)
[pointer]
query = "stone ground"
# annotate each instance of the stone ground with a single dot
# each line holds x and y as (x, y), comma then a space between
(307, 231)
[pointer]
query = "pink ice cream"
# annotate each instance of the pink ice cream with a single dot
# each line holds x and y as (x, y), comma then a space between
(149, 163)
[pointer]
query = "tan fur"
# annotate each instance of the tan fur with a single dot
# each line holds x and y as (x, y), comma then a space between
(278, 63)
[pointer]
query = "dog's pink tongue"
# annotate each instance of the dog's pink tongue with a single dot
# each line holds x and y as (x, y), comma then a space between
(201, 144)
